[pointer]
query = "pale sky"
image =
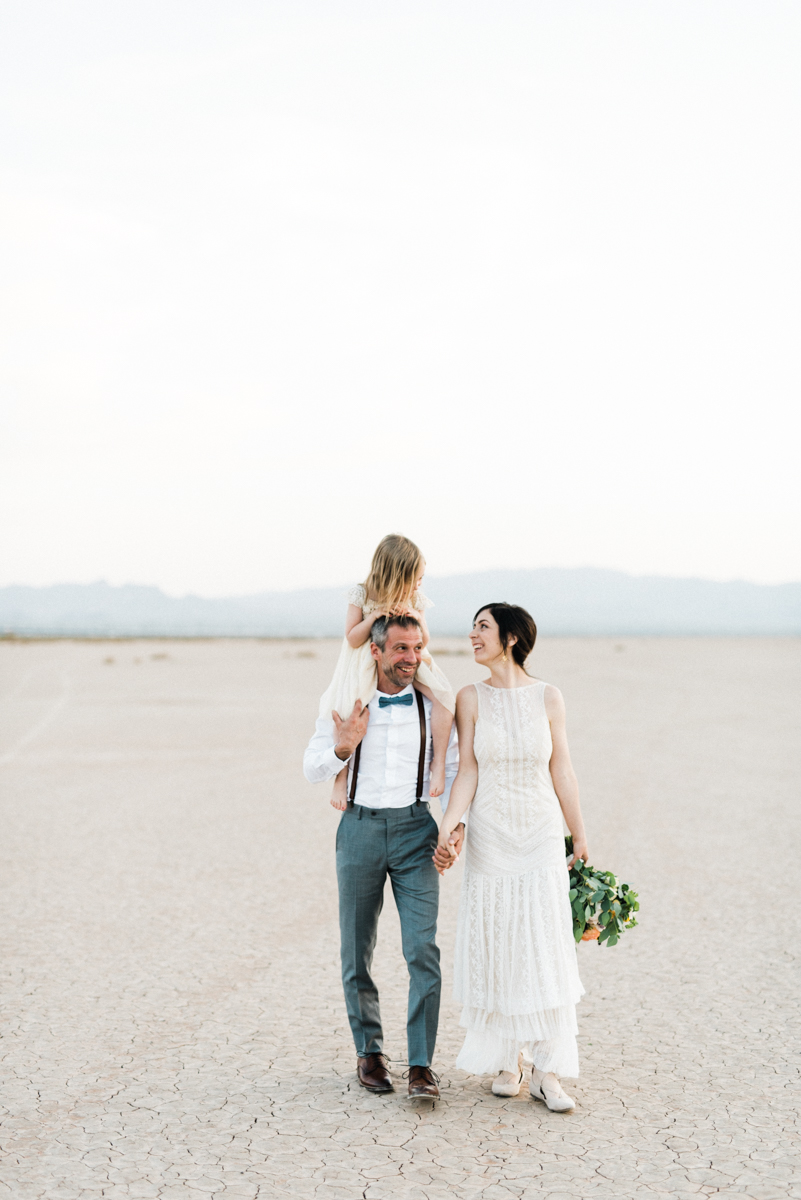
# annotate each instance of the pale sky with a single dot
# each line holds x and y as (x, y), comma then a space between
(520, 280)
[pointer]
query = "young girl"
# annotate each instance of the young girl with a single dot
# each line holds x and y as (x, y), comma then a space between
(392, 587)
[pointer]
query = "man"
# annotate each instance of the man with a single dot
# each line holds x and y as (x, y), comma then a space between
(387, 829)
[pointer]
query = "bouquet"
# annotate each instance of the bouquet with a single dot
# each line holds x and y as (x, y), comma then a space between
(602, 906)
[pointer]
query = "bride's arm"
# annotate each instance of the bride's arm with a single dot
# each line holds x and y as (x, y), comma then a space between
(464, 785)
(562, 773)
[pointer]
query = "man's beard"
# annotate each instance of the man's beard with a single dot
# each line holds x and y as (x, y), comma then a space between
(393, 675)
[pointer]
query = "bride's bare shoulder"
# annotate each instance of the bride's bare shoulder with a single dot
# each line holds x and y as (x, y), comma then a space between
(466, 699)
(554, 701)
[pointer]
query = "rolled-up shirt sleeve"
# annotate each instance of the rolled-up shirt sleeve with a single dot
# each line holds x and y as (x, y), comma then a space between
(319, 758)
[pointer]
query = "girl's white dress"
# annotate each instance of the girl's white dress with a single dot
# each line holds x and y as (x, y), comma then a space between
(515, 969)
(355, 673)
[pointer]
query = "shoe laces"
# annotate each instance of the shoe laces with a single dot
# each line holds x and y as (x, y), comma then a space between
(433, 1074)
(379, 1054)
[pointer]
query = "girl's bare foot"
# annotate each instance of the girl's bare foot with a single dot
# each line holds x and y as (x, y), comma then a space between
(339, 799)
(436, 784)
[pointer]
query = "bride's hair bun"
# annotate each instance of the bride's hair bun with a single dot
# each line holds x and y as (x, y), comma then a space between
(513, 621)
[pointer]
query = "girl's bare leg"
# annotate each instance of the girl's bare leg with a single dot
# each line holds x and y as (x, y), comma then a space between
(339, 799)
(441, 722)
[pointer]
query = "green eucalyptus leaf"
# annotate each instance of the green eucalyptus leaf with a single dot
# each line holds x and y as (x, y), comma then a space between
(599, 894)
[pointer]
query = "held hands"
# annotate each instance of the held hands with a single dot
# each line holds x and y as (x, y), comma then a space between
(449, 847)
(350, 731)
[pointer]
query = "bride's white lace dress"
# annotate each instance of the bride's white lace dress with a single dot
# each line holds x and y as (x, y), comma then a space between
(515, 970)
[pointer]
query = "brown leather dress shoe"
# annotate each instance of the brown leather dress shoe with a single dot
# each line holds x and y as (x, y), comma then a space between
(373, 1073)
(423, 1082)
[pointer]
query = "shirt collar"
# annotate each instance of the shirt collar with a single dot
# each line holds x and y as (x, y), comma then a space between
(409, 688)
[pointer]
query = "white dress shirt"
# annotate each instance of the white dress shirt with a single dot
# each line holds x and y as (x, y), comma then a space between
(389, 758)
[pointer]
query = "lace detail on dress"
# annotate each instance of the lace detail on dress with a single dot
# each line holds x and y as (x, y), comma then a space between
(515, 969)
(357, 595)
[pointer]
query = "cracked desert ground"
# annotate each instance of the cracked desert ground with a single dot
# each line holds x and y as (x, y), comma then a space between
(172, 1018)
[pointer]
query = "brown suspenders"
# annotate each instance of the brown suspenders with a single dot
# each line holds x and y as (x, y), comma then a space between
(421, 762)
(356, 758)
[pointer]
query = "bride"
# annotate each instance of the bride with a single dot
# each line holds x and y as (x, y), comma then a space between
(515, 970)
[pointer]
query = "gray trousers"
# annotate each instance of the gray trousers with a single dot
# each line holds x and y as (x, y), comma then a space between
(371, 844)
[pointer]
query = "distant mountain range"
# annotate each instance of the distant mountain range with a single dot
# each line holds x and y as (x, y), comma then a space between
(584, 601)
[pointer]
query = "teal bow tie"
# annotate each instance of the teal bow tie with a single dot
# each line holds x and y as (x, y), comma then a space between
(385, 701)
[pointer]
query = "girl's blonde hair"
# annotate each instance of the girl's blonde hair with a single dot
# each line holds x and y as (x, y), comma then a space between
(396, 567)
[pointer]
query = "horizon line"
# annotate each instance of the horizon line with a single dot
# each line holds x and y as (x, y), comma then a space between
(451, 575)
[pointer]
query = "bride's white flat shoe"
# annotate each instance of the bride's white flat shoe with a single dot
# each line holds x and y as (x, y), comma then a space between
(507, 1084)
(546, 1087)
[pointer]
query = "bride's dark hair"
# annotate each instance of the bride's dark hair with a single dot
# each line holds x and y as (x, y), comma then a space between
(513, 621)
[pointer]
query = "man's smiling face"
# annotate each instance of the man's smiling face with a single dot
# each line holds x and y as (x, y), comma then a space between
(400, 658)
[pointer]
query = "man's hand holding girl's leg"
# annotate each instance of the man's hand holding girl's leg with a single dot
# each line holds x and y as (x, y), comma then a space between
(350, 731)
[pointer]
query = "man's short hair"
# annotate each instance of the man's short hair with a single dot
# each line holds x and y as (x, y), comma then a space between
(382, 626)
